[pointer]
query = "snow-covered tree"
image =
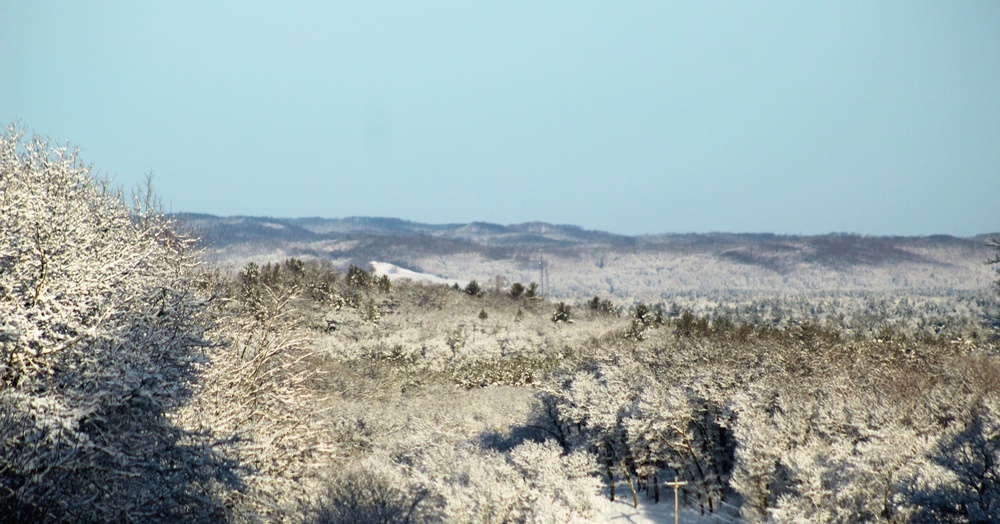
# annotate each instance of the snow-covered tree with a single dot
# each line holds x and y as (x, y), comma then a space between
(993, 315)
(970, 453)
(100, 329)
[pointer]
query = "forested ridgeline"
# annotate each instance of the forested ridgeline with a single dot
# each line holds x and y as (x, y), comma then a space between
(141, 385)
(571, 263)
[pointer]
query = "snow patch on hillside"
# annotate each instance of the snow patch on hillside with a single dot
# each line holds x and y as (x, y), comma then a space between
(395, 272)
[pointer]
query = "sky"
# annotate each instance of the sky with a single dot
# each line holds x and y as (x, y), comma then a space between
(878, 118)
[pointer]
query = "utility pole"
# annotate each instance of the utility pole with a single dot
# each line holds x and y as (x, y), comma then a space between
(547, 284)
(676, 484)
(543, 272)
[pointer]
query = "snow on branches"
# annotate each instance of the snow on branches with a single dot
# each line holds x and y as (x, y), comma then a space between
(99, 329)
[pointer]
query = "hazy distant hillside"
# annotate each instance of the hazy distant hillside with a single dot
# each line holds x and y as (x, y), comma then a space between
(572, 262)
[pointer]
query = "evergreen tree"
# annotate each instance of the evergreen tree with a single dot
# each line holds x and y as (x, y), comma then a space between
(384, 284)
(563, 313)
(358, 277)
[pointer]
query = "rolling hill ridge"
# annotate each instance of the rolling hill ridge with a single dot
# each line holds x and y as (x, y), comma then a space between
(570, 261)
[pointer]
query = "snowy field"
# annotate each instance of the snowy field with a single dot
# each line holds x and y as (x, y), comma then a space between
(622, 511)
(395, 272)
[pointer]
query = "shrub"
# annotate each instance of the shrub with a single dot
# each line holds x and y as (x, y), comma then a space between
(563, 313)
(604, 307)
(363, 496)
(384, 284)
(358, 277)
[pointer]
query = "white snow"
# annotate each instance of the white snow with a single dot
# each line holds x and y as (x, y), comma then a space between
(621, 510)
(395, 272)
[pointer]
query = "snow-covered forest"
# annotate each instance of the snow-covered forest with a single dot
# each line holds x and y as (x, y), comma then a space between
(139, 383)
(694, 270)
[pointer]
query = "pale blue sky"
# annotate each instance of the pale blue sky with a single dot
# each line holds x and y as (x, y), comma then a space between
(631, 117)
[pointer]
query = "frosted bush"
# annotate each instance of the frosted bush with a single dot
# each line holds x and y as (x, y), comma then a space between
(532, 483)
(566, 485)
(373, 491)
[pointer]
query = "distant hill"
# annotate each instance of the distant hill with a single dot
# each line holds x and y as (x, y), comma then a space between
(573, 262)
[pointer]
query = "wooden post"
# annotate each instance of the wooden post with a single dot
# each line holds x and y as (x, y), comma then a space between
(676, 484)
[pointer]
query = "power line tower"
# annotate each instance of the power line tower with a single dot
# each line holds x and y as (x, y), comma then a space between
(543, 273)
